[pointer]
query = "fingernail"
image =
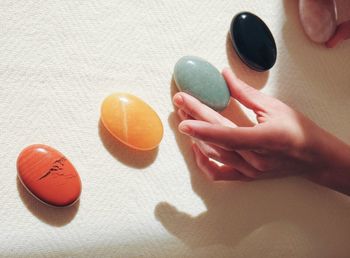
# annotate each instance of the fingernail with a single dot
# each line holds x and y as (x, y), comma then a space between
(178, 100)
(185, 129)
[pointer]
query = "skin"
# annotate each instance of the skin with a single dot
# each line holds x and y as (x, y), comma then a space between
(282, 142)
(342, 33)
(323, 7)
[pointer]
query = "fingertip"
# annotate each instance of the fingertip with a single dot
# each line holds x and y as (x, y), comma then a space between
(178, 99)
(342, 33)
(330, 44)
(231, 79)
(226, 70)
(333, 41)
(185, 128)
(228, 74)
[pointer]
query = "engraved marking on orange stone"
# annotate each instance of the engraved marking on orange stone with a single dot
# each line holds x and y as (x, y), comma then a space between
(58, 170)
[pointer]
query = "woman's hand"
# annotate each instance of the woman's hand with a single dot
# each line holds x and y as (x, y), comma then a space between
(282, 142)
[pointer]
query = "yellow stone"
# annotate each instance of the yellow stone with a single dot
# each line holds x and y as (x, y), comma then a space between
(132, 121)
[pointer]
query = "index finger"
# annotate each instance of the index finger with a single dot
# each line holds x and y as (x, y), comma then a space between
(245, 94)
(196, 109)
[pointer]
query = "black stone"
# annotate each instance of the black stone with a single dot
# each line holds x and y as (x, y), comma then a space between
(253, 41)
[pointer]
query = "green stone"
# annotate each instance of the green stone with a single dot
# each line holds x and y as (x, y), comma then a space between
(203, 81)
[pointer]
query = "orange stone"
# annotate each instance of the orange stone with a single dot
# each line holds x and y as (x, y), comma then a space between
(132, 121)
(48, 175)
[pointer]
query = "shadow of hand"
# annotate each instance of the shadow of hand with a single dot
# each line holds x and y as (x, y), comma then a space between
(239, 211)
(223, 222)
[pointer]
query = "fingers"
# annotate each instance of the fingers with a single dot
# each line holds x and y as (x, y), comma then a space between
(245, 94)
(239, 138)
(342, 33)
(183, 115)
(258, 161)
(197, 110)
(229, 158)
(214, 171)
(173, 220)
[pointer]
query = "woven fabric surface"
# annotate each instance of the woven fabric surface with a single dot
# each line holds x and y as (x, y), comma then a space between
(60, 59)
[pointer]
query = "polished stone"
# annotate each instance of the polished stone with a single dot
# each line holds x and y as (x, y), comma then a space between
(203, 81)
(132, 121)
(48, 175)
(253, 41)
(318, 18)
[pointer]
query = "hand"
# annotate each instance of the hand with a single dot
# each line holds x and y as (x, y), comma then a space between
(282, 142)
(342, 33)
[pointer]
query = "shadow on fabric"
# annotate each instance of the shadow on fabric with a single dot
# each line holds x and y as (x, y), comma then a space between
(237, 210)
(243, 72)
(312, 78)
(53, 216)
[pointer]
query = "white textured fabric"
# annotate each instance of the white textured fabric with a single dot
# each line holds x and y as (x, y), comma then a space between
(59, 59)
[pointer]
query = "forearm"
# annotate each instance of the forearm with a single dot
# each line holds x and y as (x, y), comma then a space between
(334, 152)
(334, 160)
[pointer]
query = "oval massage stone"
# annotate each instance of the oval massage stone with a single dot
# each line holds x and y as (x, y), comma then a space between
(48, 175)
(203, 81)
(253, 41)
(319, 19)
(132, 121)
